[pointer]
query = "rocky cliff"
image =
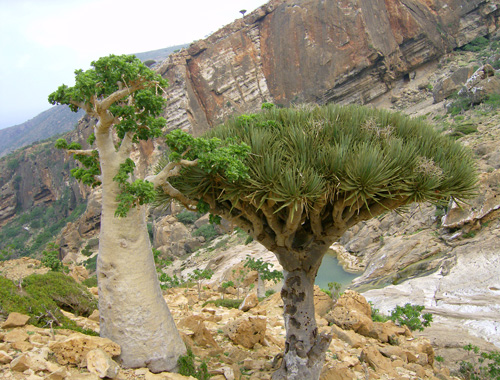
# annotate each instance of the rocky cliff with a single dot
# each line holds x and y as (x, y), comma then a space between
(290, 51)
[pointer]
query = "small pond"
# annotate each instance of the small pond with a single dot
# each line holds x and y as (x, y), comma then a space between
(331, 271)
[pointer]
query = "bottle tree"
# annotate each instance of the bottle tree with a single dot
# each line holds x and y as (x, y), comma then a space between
(264, 273)
(314, 172)
(125, 97)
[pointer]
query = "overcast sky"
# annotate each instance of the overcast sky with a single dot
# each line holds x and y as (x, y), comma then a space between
(42, 42)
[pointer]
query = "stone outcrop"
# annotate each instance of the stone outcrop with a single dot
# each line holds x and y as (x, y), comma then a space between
(290, 51)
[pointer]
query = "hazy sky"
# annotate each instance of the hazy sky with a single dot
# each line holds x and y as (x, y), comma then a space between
(42, 42)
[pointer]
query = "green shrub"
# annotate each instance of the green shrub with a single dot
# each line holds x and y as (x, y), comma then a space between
(63, 290)
(410, 316)
(43, 296)
(227, 303)
(463, 129)
(91, 264)
(90, 282)
(50, 258)
(188, 217)
(187, 367)
(207, 231)
(270, 292)
(482, 366)
(376, 316)
(476, 45)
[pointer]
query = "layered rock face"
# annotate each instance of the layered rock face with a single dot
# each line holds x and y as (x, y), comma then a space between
(315, 51)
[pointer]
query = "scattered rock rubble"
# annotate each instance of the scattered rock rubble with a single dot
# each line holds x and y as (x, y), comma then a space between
(235, 344)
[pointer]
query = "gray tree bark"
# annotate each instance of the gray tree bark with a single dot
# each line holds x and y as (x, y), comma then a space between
(305, 348)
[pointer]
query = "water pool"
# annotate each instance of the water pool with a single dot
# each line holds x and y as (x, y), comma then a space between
(331, 271)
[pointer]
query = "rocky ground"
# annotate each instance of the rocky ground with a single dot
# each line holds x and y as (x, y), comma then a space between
(240, 343)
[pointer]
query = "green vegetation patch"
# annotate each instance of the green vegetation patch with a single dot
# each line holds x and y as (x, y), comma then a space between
(42, 296)
(227, 303)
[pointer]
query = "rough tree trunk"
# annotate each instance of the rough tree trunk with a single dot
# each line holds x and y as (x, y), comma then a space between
(305, 348)
(132, 310)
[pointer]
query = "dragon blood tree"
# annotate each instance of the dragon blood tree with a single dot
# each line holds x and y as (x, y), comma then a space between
(312, 173)
(126, 98)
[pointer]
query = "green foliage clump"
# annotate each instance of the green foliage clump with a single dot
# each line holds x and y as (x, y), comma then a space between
(167, 282)
(263, 268)
(376, 316)
(463, 129)
(313, 156)
(90, 282)
(188, 217)
(132, 194)
(208, 231)
(43, 296)
(476, 45)
(483, 366)
(50, 258)
(270, 292)
(187, 367)
(411, 316)
(91, 264)
(227, 303)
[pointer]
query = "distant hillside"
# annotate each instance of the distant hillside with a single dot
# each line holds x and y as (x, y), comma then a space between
(160, 54)
(58, 119)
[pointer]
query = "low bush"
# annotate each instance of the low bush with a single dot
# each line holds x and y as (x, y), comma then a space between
(207, 231)
(42, 296)
(227, 303)
(187, 367)
(188, 217)
(481, 366)
(411, 316)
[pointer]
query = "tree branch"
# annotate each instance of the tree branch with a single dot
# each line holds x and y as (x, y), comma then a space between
(271, 218)
(120, 94)
(82, 105)
(83, 152)
(292, 224)
(177, 195)
(172, 169)
(126, 145)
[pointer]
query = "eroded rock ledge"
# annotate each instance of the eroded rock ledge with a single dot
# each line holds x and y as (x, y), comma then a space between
(313, 51)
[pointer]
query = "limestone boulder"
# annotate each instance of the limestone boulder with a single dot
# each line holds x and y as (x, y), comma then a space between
(5, 358)
(166, 376)
(486, 201)
(94, 316)
(352, 312)
(247, 330)
(16, 335)
(15, 320)
(74, 348)
(451, 83)
(194, 327)
(337, 372)
(249, 302)
(481, 84)
(387, 332)
(21, 363)
(100, 363)
(79, 273)
(323, 303)
(371, 356)
(169, 229)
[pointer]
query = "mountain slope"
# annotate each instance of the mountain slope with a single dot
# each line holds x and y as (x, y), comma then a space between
(58, 119)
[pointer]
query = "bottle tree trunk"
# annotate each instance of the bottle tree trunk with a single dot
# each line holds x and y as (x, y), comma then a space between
(305, 347)
(261, 288)
(133, 312)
